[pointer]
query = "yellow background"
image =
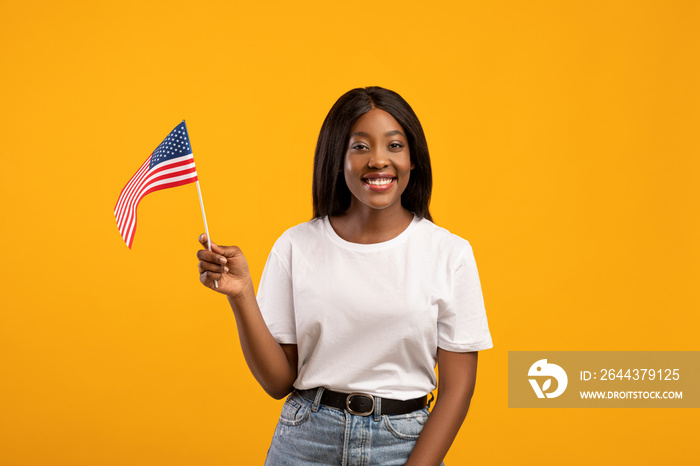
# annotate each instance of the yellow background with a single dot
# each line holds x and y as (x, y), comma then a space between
(564, 143)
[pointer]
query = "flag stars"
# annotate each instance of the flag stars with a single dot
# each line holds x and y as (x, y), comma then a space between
(176, 144)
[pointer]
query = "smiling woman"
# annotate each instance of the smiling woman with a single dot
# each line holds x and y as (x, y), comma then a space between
(356, 306)
(369, 107)
(377, 164)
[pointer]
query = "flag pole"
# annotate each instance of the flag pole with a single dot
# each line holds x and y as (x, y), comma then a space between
(204, 216)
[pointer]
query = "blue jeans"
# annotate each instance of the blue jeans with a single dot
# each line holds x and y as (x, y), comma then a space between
(309, 433)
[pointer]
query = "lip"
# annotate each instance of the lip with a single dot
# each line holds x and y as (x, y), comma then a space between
(379, 188)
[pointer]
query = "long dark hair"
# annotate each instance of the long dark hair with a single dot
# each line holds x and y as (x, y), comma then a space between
(331, 195)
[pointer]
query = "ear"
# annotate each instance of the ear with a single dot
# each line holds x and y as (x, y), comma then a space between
(413, 165)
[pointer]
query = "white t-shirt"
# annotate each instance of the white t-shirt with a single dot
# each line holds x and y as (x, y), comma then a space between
(369, 317)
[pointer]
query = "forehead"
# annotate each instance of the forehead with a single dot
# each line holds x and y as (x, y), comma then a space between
(376, 122)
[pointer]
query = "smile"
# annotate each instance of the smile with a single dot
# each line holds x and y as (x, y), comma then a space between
(379, 183)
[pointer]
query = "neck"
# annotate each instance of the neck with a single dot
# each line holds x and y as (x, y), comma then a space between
(360, 224)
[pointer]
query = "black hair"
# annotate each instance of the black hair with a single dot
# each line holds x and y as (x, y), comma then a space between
(331, 195)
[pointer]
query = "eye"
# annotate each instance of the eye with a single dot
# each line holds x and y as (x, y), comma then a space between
(359, 146)
(395, 146)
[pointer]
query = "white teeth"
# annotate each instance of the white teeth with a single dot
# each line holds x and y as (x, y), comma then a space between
(378, 181)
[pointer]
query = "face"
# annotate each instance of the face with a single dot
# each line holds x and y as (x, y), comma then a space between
(377, 163)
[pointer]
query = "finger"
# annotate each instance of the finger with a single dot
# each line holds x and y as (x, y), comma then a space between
(209, 256)
(204, 241)
(208, 278)
(209, 267)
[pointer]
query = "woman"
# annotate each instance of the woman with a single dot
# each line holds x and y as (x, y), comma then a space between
(356, 307)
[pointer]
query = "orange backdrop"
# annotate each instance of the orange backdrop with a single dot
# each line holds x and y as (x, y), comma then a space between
(564, 144)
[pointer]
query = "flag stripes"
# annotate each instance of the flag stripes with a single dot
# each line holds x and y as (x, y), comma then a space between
(175, 172)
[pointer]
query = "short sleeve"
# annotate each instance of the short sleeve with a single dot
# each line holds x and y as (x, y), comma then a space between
(276, 300)
(462, 324)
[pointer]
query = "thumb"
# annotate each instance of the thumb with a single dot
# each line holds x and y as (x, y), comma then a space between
(204, 240)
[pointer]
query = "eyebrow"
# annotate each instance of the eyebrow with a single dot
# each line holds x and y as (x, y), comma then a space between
(388, 133)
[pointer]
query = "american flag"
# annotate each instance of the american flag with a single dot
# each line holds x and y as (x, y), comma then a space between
(170, 165)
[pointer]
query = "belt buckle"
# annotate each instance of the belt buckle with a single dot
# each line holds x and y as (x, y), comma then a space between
(359, 413)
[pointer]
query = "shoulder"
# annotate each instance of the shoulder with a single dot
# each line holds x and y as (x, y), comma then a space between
(442, 247)
(441, 238)
(299, 236)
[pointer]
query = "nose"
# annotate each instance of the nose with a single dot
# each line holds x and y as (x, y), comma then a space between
(378, 159)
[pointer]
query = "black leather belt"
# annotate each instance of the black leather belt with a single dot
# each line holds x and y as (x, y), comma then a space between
(362, 404)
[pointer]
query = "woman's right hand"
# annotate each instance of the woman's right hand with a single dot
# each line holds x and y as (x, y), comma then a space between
(224, 264)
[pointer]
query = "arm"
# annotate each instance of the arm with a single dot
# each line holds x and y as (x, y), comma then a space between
(273, 365)
(457, 376)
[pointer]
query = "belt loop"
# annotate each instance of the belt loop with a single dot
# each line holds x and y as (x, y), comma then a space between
(317, 399)
(377, 408)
